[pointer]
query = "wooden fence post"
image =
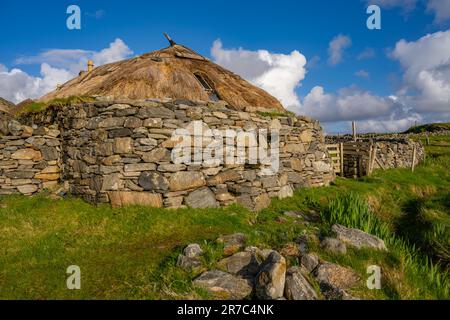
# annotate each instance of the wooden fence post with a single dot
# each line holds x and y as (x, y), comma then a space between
(354, 130)
(341, 151)
(414, 158)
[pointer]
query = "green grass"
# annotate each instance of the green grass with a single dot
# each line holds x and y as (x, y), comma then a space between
(36, 107)
(433, 127)
(131, 252)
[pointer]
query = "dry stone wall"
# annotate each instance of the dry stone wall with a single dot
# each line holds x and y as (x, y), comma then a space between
(30, 157)
(120, 152)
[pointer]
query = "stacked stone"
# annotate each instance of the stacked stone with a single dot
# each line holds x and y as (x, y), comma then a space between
(29, 158)
(399, 153)
(120, 152)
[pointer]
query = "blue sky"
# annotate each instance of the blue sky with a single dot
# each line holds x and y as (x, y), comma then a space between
(280, 27)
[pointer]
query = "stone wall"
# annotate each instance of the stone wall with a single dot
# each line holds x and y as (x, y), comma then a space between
(30, 157)
(120, 152)
(390, 153)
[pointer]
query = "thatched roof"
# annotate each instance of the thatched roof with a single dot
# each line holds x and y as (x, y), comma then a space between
(175, 72)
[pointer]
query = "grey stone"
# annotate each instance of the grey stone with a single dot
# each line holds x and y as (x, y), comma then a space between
(232, 243)
(358, 238)
(334, 246)
(156, 155)
(336, 276)
(153, 181)
(121, 132)
(156, 112)
(202, 198)
(49, 153)
(309, 261)
(189, 264)
(224, 286)
(297, 287)
(270, 281)
(244, 264)
(193, 250)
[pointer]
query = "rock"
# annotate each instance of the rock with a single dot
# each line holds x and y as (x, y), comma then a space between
(137, 167)
(133, 122)
(153, 181)
(336, 276)
(50, 153)
(261, 202)
(224, 286)
(27, 154)
(186, 180)
(332, 293)
(269, 283)
(120, 133)
(290, 250)
(334, 246)
(309, 261)
(27, 189)
(201, 198)
(297, 286)
(112, 182)
(190, 264)
(128, 198)
(111, 122)
(306, 136)
(193, 250)
(358, 238)
(123, 145)
(221, 178)
(156, 112)
(244, 264)
(232, 243)
(322, 166)
(171, 167)
(285, 192)
(157, 155)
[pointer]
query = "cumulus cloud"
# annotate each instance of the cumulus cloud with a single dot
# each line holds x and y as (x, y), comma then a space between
(57, 67)
(441, 10)
(278, 74)
(426, 64)
(336, 48)
(368, 53)
(405, 5)
(362, 74)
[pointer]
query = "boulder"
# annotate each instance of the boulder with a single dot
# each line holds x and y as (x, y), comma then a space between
(232, 243)
(186, 180)
(127, 198)
(201, 198)
(244, 264)
(334, 246)
(190, 264)
(193, 250)
(358, 238)
(270, 281)
(336, 276)
(309, 261)
(297, 287)
(224, 286)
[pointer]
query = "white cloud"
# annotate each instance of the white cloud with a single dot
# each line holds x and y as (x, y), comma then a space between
(368, 53)
(405, 5)
(362, 74)
(349, 104)
(426, 64)
(441, 10)
(336, 48)
(278, 74)
(57, 67)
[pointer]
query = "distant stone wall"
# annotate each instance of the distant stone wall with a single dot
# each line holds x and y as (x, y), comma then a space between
(390, 153)
(30, 157)
(120, 152)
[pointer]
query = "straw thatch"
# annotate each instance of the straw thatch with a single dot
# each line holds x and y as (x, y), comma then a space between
(167, 73)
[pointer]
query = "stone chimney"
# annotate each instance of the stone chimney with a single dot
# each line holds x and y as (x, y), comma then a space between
(90, 66)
